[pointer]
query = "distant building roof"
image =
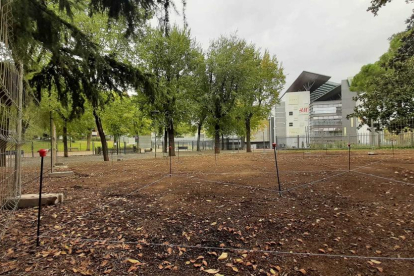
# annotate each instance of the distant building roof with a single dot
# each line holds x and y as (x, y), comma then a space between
(308, 81)
(326, 91)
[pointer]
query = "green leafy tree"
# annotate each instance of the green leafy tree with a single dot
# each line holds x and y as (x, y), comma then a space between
(228, 67)
(122, 117)
(376, 5)
(405, 50)
(118, 117)
(60, 110)
(141, 122)
(386, 90)
(388, 100)
(71, 61)
(172, 61)
(83, 126)
(266, 80)
(385, 87)
(36, 120)
(199, 96)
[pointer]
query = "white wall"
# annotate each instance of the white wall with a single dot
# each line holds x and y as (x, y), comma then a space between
(296, 124)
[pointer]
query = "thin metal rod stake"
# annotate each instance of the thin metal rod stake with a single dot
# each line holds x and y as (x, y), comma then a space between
(349, 157)
(51, 142)
(40, 202)
(170, 163)
(277, 171)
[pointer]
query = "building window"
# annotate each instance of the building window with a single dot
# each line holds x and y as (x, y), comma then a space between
(290, 113)
(291, 124)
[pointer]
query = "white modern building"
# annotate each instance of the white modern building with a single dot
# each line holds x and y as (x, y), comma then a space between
(312, 111)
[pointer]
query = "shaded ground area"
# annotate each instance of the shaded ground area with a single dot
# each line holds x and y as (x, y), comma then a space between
(223, 217)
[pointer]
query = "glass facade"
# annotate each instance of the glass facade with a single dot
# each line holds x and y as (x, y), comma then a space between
(326, 119)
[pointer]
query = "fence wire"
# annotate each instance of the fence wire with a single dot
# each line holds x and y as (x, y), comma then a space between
(10, 122)
(396, 135)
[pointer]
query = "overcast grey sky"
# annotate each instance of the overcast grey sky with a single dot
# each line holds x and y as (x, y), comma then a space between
(331, 37)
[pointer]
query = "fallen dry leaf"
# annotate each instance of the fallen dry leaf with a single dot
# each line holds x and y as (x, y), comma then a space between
(212, 271)
(132, 261)
(223, 256)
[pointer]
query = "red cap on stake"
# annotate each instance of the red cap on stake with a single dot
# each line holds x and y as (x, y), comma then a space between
(42, 152)
(349, 145)
(274, 145)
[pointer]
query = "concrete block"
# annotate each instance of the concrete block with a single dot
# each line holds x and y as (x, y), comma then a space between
(61, 174)
(372, 153)
(32, 200)
(59, 164)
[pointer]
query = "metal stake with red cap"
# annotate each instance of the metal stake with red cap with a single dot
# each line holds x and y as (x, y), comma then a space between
(349, 157)
(277, 168)
(42, 154)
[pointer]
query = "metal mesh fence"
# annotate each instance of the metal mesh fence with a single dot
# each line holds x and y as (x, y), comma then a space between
(11, 98)
(186, 145)
(396, 136)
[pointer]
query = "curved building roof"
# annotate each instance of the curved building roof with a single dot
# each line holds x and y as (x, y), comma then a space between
(319, 86)
(308, 81)
(327, 91)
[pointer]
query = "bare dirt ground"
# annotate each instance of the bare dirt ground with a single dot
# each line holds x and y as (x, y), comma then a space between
(223, 217)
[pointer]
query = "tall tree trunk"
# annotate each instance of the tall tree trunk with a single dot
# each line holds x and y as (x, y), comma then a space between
(137, 142)
(171, 137)
(116, 138)
(65, 139)
(3, 143)
(102, 136)
(217, 138)
(88, 141)
(248, 134)
(242, 142)
(199, 137)
(3, 148)
(54, 141)
(165, 146)
(222, 141)
(119, 144)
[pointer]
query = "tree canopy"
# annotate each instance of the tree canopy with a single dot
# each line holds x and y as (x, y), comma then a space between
(70, 60)
(386, 89)
(99, 52)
